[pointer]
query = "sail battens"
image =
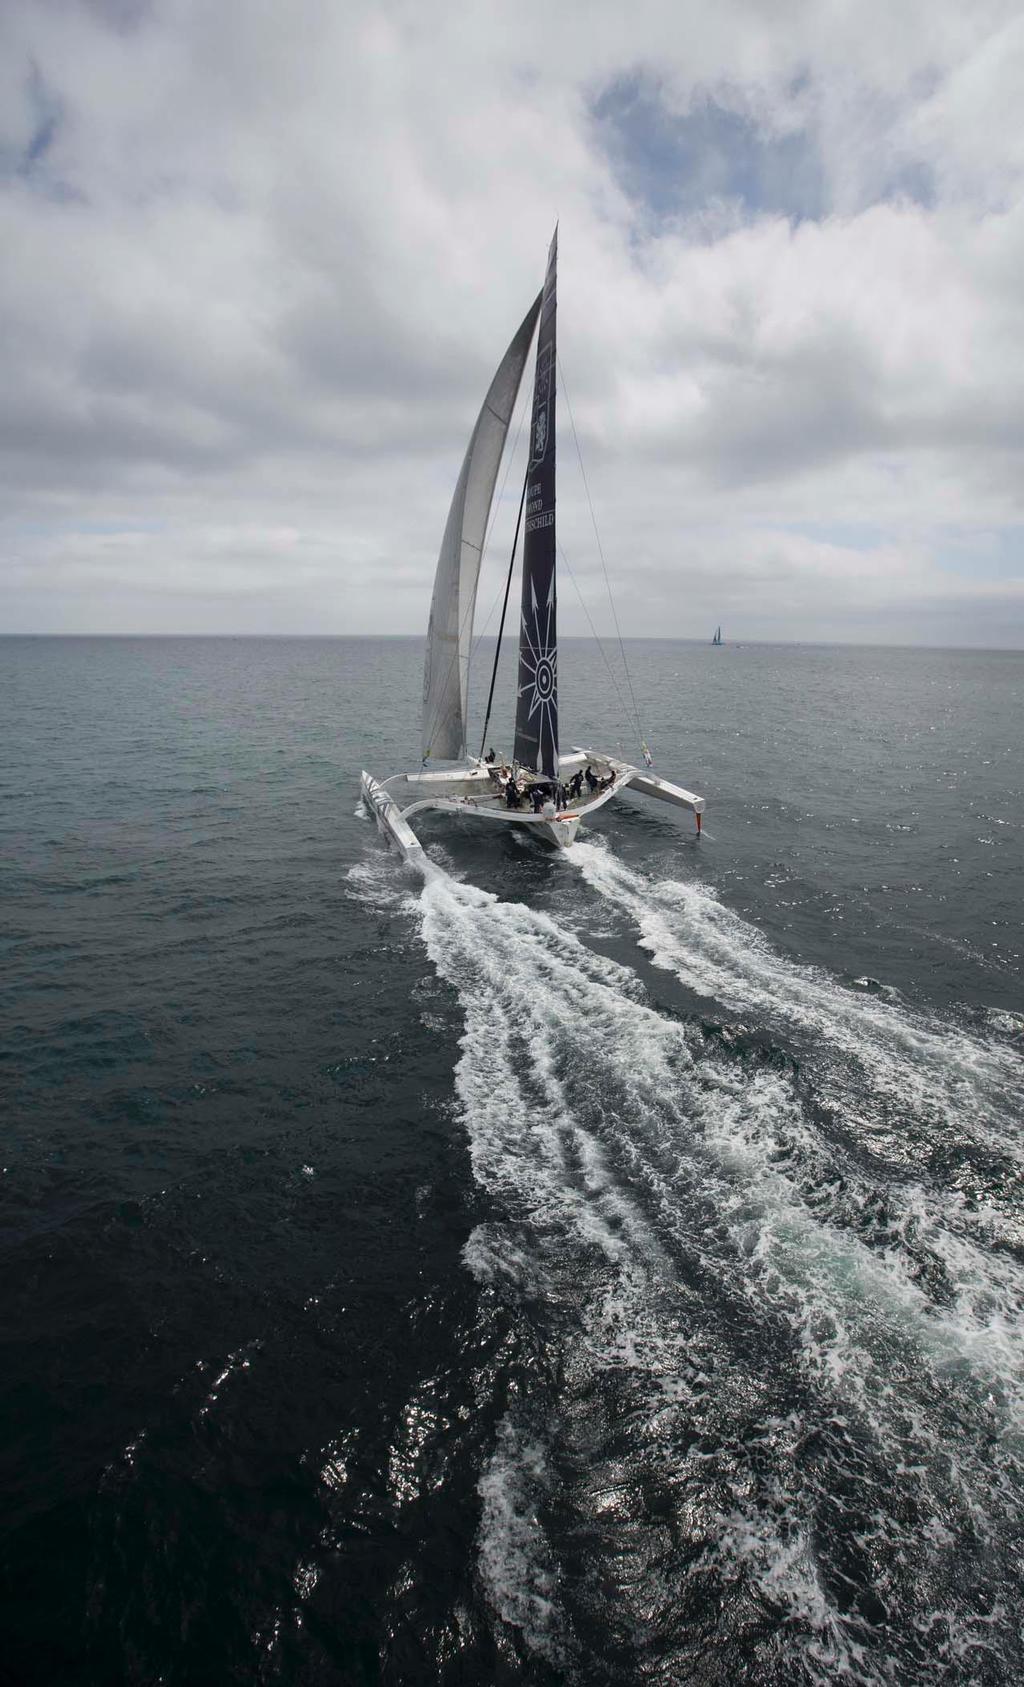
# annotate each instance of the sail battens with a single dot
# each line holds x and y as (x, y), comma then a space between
(446, 669)
(536, 742)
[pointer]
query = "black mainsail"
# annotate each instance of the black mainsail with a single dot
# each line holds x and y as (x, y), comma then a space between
(536, 744)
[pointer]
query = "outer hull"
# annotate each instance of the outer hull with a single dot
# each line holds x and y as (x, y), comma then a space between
(389, 819)
(471, 793)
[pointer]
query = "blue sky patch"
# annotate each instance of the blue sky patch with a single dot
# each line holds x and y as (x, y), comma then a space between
(677, 164)
(46, 117)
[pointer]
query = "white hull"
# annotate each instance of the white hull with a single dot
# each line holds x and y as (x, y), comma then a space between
(471, 793)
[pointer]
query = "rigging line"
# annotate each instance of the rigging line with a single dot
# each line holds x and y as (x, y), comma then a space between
(600, 552)
(470, 607)
(593, 629)
(504, 609)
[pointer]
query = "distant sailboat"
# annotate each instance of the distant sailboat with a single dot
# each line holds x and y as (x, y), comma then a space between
(718, 636)
(545, 793)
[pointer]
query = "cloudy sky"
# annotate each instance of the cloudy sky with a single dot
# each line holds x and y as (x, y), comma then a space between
(258, 260)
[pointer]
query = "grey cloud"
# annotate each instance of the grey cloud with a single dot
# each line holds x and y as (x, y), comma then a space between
(790, 415)
(238, 367)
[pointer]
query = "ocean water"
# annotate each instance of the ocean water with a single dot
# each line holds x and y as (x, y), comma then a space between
(594, 1268)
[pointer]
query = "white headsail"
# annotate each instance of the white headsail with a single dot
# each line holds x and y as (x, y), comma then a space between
(450, 634)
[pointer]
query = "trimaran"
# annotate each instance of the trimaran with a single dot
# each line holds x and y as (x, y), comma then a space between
(542, 779)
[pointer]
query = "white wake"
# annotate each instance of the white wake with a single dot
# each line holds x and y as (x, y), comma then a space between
(670, 1213)
(943, 1077)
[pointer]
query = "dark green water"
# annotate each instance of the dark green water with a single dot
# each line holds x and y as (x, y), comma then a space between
(572, 1269)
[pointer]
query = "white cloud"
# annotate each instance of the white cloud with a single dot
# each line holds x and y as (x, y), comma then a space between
(260, 260)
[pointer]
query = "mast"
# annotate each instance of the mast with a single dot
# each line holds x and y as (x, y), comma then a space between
(536, 742)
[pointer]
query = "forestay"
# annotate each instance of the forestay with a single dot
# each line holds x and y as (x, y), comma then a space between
(450, 633)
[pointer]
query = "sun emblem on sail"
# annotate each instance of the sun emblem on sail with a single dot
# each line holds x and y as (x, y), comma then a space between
(539, 658)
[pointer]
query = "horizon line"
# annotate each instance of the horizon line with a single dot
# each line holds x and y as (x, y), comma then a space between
(565, 638)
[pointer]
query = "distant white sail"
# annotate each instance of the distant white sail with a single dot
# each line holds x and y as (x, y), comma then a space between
(450, 634)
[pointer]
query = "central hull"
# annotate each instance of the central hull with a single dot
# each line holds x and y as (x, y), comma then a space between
(555, 831)
(472, 793)
(558, 833)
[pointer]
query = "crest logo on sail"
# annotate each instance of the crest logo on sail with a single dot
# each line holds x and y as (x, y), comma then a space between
(540, 437)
